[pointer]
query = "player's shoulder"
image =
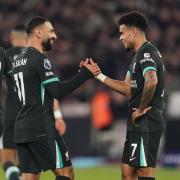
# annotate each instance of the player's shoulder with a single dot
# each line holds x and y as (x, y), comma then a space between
(147, 47)
(36, 58)
(3, 54)
(2, 51)
(14, 50)
(148, 51)
(32, 52)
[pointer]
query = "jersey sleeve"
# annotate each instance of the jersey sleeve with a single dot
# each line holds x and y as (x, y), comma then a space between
(51, 83)
(147, 62)
(45, 70)
(128, 73)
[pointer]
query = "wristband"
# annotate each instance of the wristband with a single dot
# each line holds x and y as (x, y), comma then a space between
(101, 77)
(57, 114)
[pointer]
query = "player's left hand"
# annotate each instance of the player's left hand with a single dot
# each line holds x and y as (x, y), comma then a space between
(137, 113)
(60, 125)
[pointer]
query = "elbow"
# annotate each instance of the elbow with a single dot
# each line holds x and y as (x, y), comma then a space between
(128, 93)
(152, 84)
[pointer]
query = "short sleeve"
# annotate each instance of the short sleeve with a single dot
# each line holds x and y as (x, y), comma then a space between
(128, 73)
(45, 70)
(148, 62)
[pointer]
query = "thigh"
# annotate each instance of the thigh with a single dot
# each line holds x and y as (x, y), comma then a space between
(30, 176)
(27, 160)
(152, 148)
(128, 172)
(8, 133)
(58, 156)
(143, 149)
(126, 150)
(9, 155)
(133, 150)
(62, 153)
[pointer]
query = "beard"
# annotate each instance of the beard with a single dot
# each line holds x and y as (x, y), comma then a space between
(47, 44)
(129, 47)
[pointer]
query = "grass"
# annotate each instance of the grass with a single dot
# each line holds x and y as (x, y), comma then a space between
(111, 172)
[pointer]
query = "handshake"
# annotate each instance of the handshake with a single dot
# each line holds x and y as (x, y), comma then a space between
(93, 68)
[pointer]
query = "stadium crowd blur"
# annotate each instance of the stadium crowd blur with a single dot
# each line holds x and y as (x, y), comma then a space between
(88, 28)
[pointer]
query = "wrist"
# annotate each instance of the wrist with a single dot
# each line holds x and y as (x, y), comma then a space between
(87, 73)
(57, 114)
(101, 77)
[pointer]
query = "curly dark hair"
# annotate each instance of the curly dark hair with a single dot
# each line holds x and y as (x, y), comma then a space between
(134, 18)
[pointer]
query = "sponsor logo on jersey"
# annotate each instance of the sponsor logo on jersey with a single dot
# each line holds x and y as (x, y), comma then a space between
(146, 60)
(47, 64)
(133, 84)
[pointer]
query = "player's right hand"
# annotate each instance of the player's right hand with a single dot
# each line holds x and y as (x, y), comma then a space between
(91, 66)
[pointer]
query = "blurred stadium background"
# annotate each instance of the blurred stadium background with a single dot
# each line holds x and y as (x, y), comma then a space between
(88, 28)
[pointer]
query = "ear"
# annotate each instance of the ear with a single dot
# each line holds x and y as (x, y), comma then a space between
(38, 33)
(134, 32)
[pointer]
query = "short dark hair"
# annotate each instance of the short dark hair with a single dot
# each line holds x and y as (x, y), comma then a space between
(134, 18)
(19, 27)
(34, 22)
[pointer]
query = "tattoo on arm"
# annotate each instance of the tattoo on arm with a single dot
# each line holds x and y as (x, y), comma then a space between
(149, 89)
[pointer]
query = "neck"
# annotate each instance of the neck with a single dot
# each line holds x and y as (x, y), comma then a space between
(35, 44)
(19, 43)
(139, 42)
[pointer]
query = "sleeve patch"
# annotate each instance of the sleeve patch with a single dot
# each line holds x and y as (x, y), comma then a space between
(146, 60)
(146, 55)
(47, 64)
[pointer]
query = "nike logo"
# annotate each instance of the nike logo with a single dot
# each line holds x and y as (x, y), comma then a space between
(132, 158)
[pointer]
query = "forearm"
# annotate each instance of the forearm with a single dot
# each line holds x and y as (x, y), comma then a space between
(59, 90)
(147, 96)
(121, 87)
(150, 84)
(57, 110)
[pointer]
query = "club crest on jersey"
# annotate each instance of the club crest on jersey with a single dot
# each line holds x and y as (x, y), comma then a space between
(47, 64)
(67, 156)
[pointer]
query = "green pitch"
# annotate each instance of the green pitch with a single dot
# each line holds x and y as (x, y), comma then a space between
(109, 173)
